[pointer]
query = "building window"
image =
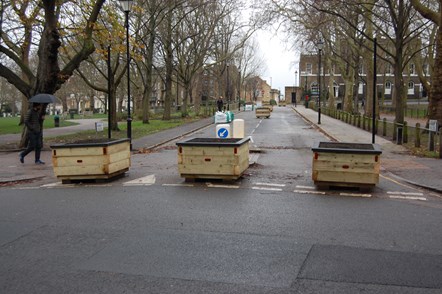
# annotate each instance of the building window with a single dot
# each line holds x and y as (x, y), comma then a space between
(314, 89)
(361, 88)
(388, 69)
(336, 89)
(410, 88)
(309, 68)
(387, 88)
(412, 69)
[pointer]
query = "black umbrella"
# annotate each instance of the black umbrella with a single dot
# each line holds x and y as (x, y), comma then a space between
(43, 98)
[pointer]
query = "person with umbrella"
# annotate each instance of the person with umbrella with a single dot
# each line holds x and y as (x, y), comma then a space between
(34, 124)
(220, 103)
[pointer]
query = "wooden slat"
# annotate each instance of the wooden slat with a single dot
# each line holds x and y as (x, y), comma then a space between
(345, 168)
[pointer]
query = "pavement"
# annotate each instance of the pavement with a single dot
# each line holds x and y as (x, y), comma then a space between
(396, 160)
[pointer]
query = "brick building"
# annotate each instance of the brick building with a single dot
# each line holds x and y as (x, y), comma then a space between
(308, 80)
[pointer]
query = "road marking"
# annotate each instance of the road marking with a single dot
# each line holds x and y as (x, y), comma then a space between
(52, 185)
(210, 185)
(406, 193)
(355, 194)
(309, 192)
(267, 189)
(178, 185)
(305, 187)
(396, 182)
(408, 197)
(144, 181)
(270, 184)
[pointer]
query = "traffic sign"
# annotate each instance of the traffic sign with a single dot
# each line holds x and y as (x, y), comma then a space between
(223, 133)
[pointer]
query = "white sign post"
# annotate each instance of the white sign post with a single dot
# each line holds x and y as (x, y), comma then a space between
(432, 126)
(99, 127)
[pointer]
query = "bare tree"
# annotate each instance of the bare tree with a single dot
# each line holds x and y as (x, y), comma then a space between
(434, 14)
(47, 76)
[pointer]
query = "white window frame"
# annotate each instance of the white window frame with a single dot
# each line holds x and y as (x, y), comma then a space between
(309, 68)
(387, 88)
(411, 90)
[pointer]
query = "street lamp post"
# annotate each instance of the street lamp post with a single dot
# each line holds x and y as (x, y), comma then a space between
(127, 5)
(320, 46)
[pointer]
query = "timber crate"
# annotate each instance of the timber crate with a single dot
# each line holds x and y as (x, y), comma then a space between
(91, 160)
(262, 112)
(346, 164)
(213, 158)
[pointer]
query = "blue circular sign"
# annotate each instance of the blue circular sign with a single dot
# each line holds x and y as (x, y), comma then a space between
(223, 133)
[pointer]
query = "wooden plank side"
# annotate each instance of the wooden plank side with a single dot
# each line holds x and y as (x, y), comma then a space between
(80, 161)
(347, 157)
(204, 170)
(209, 151)
(345, 166)
(116, 148)
(209, 160)
(78, 151)
(79, 170)
(345, 177)
(117, 166)
(118, 155)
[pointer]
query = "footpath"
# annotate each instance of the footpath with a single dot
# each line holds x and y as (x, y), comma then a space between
(395, 159)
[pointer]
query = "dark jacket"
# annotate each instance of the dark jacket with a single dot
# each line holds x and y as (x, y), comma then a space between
(219, 104)
(33, 120)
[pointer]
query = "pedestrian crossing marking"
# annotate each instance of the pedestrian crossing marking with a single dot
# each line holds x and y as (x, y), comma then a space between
(210, 185)
(144, 181)
(178, 185)
(355, 195)
(406, 193)
(408, 197)
(270, 184)
(267, 189)
(309, 192)
(305, 187)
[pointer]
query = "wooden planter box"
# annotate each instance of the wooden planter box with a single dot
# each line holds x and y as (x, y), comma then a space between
(212, 158)
(91, 160)
(262, 112)
(346, 164)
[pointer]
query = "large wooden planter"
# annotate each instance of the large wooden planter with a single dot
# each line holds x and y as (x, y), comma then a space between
(91, 160)
(212, 158)
(262, 112)
(346, 164)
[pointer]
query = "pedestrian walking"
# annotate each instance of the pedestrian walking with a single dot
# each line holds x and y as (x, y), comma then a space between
(34, 124)
(220, 103)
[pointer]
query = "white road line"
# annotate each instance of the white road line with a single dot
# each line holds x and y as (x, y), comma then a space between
(178, 185)
(267, 189)
(222, 186)
(305, 187)
(355, 194)
(309, 192)
(144, 181)
(270, 184)
(406, 193)
(52, 185)
(408, 197)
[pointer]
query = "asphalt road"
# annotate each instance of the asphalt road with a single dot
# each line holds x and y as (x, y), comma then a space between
(265, 233)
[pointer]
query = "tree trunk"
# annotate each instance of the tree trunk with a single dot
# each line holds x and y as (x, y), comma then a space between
(169, 68)
(435, 99)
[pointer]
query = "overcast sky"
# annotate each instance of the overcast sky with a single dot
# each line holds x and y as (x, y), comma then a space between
(281, 62)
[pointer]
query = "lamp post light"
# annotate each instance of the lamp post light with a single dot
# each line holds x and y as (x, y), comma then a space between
(127, 5)
(320, 46)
